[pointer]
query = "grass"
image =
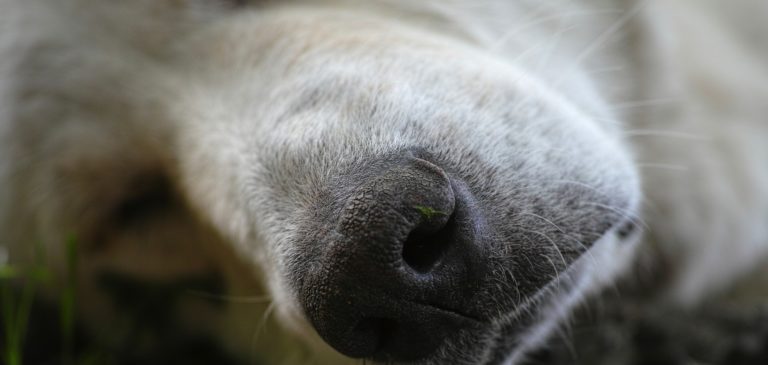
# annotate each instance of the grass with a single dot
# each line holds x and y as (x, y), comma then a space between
(34, 331)
(16, 306)
(18, 290)
(68, 302)
(428, 212)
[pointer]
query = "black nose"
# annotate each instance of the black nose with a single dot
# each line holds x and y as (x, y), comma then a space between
(399, 266)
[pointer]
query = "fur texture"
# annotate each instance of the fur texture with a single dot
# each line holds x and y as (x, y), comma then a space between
(197, 138)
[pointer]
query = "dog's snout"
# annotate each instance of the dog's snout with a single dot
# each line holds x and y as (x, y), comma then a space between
(395, 277)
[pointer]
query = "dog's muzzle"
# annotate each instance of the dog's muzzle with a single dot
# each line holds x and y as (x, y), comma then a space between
(400, 263)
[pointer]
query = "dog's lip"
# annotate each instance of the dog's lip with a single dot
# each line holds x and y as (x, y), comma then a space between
(452, 312)
(507, 330)
(466, 321)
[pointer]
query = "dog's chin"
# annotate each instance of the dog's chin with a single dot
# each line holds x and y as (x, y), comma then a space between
(489, 343)
(475, 346)
(500, 340)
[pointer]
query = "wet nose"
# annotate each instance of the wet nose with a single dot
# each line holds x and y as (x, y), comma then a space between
(395, 276)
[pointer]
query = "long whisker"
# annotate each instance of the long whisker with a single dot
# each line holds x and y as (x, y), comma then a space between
(607, 69)
(231, 298)
(551, 47)
(566, 234)
(605, 37)
(505, 38)
(663, 166)
(554, 245)
(664, 133)
(621, 212)
(260, 327)
(543, 49)
(643, 103)
(565, 332)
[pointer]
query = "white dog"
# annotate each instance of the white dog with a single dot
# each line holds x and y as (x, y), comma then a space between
(416, 182)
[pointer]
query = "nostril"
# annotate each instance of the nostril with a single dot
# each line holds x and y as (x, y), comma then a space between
(426, 246)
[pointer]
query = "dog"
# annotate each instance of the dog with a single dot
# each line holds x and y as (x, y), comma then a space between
(407, 182)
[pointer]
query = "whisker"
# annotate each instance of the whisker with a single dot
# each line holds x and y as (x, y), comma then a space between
(565, 332)
(663, 166)
(511, 275)
(554, 245)
(608, 69)
(231, 298)
(643, 103)
(543, 49)
(663, 133)
(524, 307)
(566, 234)
(605, 37)
(260, 327)
(552, 46)
(507, 36)
(621, 212)
(452, 13)
(557, 272)
(600, 40)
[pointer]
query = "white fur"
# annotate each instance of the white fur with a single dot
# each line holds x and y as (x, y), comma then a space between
(92, 92)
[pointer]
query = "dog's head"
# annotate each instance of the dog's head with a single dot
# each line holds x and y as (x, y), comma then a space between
(405, 193)
(412, 197)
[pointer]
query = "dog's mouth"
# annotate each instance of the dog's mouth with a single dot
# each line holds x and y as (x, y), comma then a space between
(477, 341)
(404, 342)
(490, 332)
